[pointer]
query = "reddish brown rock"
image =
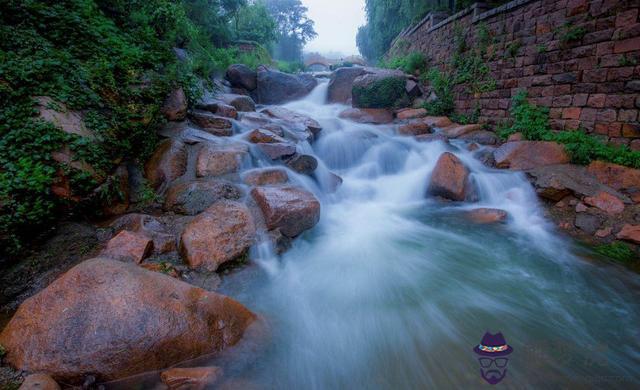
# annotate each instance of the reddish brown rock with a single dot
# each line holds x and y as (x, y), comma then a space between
(113, 319)
(432, 138)
(414, 128)
(302, 163)
(71, 122)
(194, 378)
(630, 233)
(242, 76)
(605, 202)
(455, 131)
(211, 123)
(368, 115)
(450, 178)
(487, 216)
(341, 83)
(411, 113)
(515, 137)
(218, 160)
(167, 163)
(241, 103)
(602, 233)
(277, 151)
(129, 246)
(294, 118)
(522, 155)
(292, 210)
(194, 197)
(39, 382)
(149, 226)
(222, 233)
(437, 121)
(266, 176)
(616, 176)
(175, 107)
(260, 136)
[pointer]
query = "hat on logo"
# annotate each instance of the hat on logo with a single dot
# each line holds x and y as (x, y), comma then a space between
(493, 345)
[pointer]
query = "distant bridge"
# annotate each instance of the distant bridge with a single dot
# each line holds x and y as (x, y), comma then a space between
(318, 63)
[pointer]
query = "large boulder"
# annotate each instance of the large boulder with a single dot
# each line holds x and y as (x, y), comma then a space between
(302, 163)
(482, 137)
(175, 106)
(376, 116)
(630, 233)
(218, 107)
(212, 123)
(193, 197)
(437, 121)
(265, 176)
(129, 246)
(455, 130)
(414, 128)
(277, 151)
(616, 176)
(241, 103)
(112, 320)
(411, 113)
(222, 233)
(218, 160)
(167, 163)
(276, 87)
(521, 155)
(38, 382)
(291, 210)
(450, 178)
(260, 136)
(294, 119)
(241, 76)
(341, 83)
(382, 89)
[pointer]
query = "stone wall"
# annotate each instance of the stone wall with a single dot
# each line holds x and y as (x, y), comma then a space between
(592, 82)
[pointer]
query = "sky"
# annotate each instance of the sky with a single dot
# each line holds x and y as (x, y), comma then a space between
(337, 23)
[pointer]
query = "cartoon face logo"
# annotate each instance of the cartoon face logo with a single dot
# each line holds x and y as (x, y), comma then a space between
(492, 355)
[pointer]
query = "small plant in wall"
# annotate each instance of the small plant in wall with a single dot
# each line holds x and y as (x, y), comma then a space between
(570, 33)
(513, 48)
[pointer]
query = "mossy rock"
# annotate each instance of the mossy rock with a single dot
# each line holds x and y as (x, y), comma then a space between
(380, 90)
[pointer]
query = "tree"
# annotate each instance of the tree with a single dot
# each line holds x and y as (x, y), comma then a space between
(294, 28)
(254, 23)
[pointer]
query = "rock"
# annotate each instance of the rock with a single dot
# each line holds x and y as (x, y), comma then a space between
(603, 233)
(587, 222)
(175, 107)
(265, 176)
(412, 113)
(259, 136)
(276, 87)
(522, 155)
(241, 76)
(432, 138)
(450, 178)
(39, 382)
(195, 378)
(487, 216)
(213, 124)
(481, 137)
(368, 115)
(302, 163)
(309, 81)
(413, 89)
(116, 201)
(437, 121)
(113, 320)
(455, 131)
(414, 128)
(277, 151)
(218, 160)
(339, 90)
(605, 202)
(167, 163)
(255, 119)
(71, 122)
(485, 156)
(581, 208)
(291, 210)
(473, 146)
(630, 233)
(149, 226)
(217, 107)
(222, 233)
(616, 176)
(129, 246)
(294, 119)
(515, 137)
(193, 197)
(382, 89)
(241, 103)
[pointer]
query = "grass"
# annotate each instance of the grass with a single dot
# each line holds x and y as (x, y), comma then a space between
(617, 251)
(413, 63)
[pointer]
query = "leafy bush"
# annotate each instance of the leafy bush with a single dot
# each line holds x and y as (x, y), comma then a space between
(290, 67)
(383, 93)
(413, 63)
(617, 251)
(442, 84)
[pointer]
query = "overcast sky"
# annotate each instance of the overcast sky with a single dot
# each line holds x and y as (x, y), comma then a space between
(337, 23)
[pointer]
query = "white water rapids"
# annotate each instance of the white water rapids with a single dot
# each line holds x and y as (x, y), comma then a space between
(392, 290)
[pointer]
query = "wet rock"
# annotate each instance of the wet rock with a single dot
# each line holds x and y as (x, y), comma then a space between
(375, 116)
(616, 176)
(473, 146)
(175, 107)
(194, 378)
(487, 216)
(69, 121)
(437, 121)
(280, 242)
(581, 207)
(241, 76)
(381, 89)
(630, 233)
(455, 131)
(294, 119)
(413, 89)
(129, 246)
(412, 113)
(265, 176)
(277, 151)
(222, 233)
(276, 87)
(309, 81)
(485, 156)
(213, 124)
(291, 210)
(39, 382)
(605, 202)
(112, 320)
(481, 137)
(302, 163)
(260, 136)
(167, 163)
(522, 155)
(255, 119)
(193, 197)
(414, 128)
(218, 160)
(241, 103)
(450, 178)
(432, 138)
(339, 90)
(603, 233)
(218, 107)
(587, 222)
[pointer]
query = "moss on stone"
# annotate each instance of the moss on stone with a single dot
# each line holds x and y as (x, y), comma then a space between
(387, 92)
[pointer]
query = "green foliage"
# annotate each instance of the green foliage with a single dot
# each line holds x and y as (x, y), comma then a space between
(570, 33)
(3, 351)
(254, 23)
(513, 48)
(294, 28)
(412, 63)
(290, 67)
(617, 251)
(533, 123)
(627, 61)
(442, 84)
(541, 49)
(383, 93)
